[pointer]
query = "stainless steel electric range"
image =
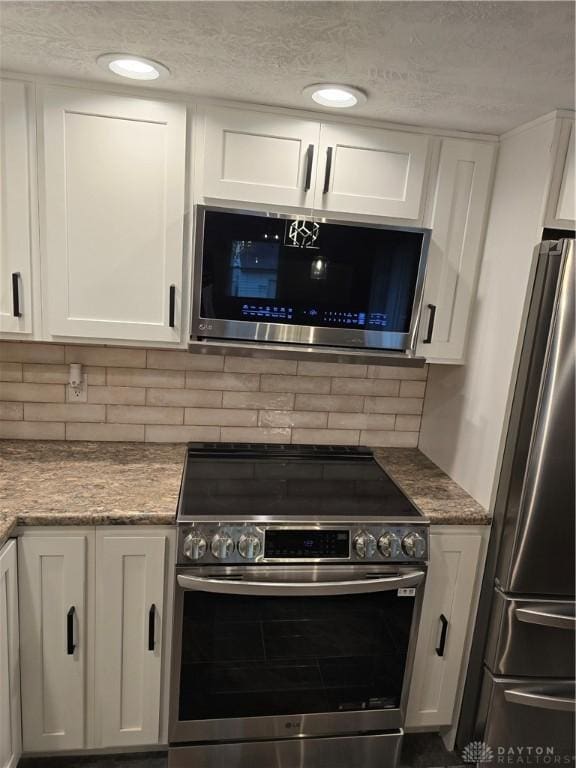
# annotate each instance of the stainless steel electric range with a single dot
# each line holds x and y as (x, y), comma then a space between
(299, 582)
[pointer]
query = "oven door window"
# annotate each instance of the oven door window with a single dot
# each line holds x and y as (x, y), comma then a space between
(256, 656)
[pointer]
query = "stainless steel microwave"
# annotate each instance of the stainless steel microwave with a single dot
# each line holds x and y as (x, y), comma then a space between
(275, 278)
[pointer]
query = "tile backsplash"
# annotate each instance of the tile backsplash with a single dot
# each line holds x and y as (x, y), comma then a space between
(173, 396)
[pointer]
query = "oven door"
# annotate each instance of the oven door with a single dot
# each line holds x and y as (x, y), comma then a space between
(279, 651)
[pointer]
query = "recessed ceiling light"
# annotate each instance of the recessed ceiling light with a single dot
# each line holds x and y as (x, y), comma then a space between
(134, 67)
(335, 95)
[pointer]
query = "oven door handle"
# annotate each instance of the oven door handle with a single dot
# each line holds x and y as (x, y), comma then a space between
(240, 586)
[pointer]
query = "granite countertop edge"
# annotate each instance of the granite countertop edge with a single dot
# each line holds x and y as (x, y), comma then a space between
(138, 484)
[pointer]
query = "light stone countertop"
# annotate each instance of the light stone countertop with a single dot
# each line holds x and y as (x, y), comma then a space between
(96, 483)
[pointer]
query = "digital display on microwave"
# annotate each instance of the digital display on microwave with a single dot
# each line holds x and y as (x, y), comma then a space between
(259, 269)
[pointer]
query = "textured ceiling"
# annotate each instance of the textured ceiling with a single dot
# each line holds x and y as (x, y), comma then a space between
(479, 66)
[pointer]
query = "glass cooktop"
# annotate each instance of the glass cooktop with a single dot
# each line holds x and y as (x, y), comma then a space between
(225, 480)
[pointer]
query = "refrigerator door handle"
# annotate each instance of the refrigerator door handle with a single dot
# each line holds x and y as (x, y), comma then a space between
(545, 617)
(541, 698)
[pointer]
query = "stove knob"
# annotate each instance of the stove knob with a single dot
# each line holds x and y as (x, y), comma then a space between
(365, 545)
(389, 544)
(222, 546)
(194, 546)
(414, 545)
(249, 546)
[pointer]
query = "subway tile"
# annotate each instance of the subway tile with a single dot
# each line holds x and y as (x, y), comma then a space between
(105, 432)
(407, 423)
(387, 439)
(340, 403)
(144, 377)
(59, 374)
(221, 417)
(193, 398)
(163, 434)
(360, 421)
(326, 436)
(121, 357)
(144, 414)
(64, 412)
(258, 400)
(412, 388)
(393, 405)
(236, 382)
(397, 372)
(365, 387)
(10, 371)
(31, 352)
(259, 365)
(254, 435)
(37, 393)
(11, 411)
(275, 383)
(118, 395)
(31, 430)
(183, 361)
(331, 369)
(292, 419)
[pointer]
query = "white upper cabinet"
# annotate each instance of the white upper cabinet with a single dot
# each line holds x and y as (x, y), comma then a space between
(457, 219)
(371, 171)
(562, 203)
(113, 216)
(130, 620)
(15, 209)
(267, 159)
(259, 157)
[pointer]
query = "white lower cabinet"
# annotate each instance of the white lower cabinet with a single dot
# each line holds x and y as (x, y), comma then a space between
(94, 636)
(52, 574)
(130, 578)
(10, 729)
(447, 620)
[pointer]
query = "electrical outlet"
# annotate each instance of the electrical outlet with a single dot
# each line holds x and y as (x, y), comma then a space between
(77, 394)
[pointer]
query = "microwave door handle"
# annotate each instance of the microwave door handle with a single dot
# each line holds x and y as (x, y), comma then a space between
(300, 588)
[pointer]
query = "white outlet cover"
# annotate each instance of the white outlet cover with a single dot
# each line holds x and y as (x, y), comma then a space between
(77, 394)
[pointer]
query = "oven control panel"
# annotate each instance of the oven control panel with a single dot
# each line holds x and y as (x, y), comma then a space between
(234, 543)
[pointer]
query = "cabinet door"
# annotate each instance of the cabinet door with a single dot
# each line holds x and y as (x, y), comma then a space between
(10, 733)
(257, 157)
(52, 586)
(450, 587)
(371, 171)
(15, 224)
(129, 619)
(113, 215)
(562, 200)
(458, 220)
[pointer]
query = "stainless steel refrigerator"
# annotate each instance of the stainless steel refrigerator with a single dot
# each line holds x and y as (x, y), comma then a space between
(520, 686)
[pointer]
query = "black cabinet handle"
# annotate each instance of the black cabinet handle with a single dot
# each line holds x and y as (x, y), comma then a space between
(172, 309)
(309, 164)
(151, 627)
(428, 339)
(443, 633)
(16, 294)
(328, 171)
(70, 644)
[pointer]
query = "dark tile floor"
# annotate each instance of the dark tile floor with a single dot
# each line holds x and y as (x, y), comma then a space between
(420, 751)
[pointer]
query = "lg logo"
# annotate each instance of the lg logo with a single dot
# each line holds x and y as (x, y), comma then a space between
(205, 326)
(292, 724)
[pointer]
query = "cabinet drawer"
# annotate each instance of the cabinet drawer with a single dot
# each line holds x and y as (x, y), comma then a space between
(531, 637)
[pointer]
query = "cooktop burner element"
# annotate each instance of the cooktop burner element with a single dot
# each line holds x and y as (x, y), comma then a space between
(264, 504)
